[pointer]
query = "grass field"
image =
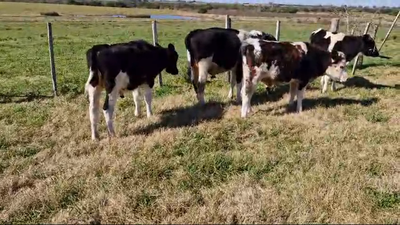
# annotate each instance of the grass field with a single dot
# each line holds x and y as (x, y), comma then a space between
(337, 162)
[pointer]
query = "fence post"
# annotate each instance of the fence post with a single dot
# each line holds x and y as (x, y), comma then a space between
(389, 31)
(278, 30)
(356, 64)
(228, 24)
(155, 41)
(334, 25)
(51, 52)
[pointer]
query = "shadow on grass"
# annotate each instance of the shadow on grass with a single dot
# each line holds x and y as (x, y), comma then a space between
(186, 116)
(10, 98)
(362, 82)
(332, 102)
(324, 102)
(374, 64)
(274, 94)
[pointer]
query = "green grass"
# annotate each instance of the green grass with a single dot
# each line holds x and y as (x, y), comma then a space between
(337, 162)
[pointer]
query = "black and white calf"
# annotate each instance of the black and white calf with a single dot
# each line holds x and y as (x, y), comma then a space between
(350, 45)
(297, 63)
(214, 51)
(124, 66)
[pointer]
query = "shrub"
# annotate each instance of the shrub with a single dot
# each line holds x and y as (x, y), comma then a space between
(73, 2)
(202, 10)
(116, 4)
(93, 3)
(49, 14)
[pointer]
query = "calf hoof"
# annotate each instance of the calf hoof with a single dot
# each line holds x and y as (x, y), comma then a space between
(95, 137)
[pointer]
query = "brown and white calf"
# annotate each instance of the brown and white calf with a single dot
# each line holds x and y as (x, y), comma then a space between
(124, 66)
(297, 63)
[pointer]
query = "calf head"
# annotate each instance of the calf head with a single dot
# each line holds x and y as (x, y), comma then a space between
(369, 47)
(337, 68)
(249, 59)
(172, 59)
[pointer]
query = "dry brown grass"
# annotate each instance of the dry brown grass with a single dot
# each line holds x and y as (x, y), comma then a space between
(331, 165)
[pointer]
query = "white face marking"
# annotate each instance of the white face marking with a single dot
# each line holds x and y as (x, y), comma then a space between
(302, 45)
(256, 43)
(255, 32)
(334, 39)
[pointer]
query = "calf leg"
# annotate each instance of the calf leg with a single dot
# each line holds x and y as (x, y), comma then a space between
(136, 99)
(148, 98)
(94, 105)
(333, 87)
(109, 112)
(195, 77)
(294, 84)
(300, 97)
(203, 72)
(232, 84)
(237, 76)
(324, 83)
(247, 91)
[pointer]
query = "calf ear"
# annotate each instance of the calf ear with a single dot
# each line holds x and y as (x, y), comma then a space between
(171, 47)
(334, 56)
(367, 37)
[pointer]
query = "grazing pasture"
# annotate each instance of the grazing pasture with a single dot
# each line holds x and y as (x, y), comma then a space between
(337, 162)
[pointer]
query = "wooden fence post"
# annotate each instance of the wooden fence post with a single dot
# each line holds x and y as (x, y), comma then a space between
(390, 30)
(278, 30)
(356, 64)
(334, 25)
(228, 24)
(51, 51)
(155, 41)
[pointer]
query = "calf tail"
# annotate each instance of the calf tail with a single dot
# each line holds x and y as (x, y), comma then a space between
(92, 64)
(189, 54)
(189, 67)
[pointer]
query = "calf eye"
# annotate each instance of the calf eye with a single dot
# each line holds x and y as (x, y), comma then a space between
(342, 67)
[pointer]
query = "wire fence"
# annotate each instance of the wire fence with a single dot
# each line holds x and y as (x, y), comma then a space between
(27, 68)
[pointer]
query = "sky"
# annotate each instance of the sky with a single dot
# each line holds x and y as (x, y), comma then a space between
(378, 3)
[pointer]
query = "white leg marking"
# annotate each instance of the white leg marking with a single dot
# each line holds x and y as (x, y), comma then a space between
(108, 114)
(249, 84)
(94, 105)
(136, 99)
(148, 95)
(232, 85)
(324, 83)
(121, 82)
(293, 90)
(203, 65)
(300, 97)
(247, 92)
